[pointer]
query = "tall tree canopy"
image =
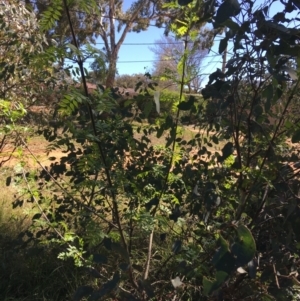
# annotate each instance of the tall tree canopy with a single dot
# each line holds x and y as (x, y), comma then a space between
(23, 66)
(105, 19)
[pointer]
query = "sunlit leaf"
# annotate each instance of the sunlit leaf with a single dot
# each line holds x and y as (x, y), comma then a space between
(244, 248)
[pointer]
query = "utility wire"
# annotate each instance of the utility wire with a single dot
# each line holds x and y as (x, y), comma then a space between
(142, 44)
(147, 61)
(153, 43)
(107, 17)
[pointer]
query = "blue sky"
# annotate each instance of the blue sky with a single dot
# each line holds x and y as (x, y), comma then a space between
(129, 55)
(134, 53)
(139, 58)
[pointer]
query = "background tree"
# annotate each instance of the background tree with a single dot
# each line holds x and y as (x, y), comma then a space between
(129, 80)
(115, 21)
(98, 68)
(168, 52)
(104, 19)
(25, 70)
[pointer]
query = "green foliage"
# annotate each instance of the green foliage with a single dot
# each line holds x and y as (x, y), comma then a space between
(215, 215)
(51, 15)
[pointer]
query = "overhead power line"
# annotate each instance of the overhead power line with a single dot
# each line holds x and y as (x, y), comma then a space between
(153, 43)
(146, 61)
(142, 44)
(107, 17)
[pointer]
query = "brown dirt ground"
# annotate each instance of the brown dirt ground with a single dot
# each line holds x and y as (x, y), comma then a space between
(37, 146)
(37, 150)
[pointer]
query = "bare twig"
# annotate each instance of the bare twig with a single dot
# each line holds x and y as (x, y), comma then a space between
(270, 147)
(276, 276)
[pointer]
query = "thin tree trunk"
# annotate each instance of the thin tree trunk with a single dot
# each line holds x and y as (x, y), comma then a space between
(112, 69)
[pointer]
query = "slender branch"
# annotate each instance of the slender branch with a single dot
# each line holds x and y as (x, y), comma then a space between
(45, 217)
(149, 254)
(64, 190)
(106, 168)
(129, 23)
(146, 274)
(271, 142)
(111, 15)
